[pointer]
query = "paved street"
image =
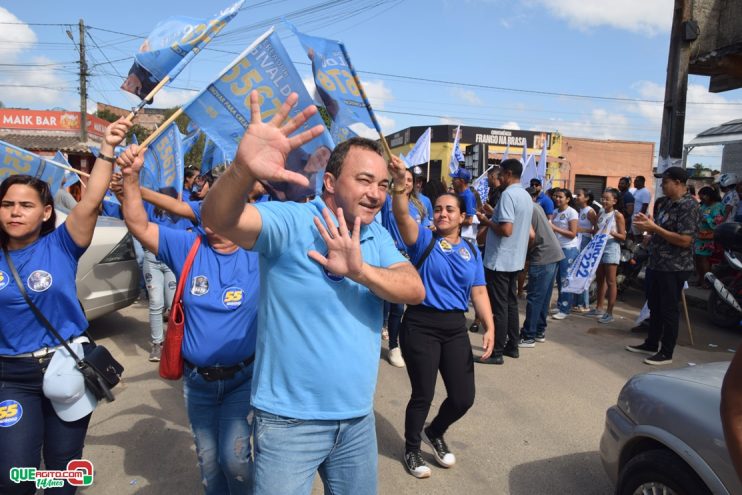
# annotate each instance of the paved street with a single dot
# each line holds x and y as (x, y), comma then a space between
(534, 427)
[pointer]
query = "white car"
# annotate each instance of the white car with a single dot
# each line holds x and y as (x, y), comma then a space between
(107, 274)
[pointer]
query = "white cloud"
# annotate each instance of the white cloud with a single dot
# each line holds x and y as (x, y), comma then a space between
(598, 124)
(648, 17)
(445, 120)
(511, 125)
(169, 98)
(467, 96)
(14, 38)
(34, 87)
(378, 93)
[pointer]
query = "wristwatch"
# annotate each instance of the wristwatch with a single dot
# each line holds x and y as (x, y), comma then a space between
(111, 159)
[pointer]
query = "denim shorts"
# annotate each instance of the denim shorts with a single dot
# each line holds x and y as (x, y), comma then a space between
(612, 253)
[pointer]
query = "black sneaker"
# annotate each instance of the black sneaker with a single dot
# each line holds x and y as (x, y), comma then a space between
(493, 359)
(658, 359)
(527, 343)
(511, 352)
(413, 459)
(440, 450)
(540, 337)
(474, 328)
(643, 349)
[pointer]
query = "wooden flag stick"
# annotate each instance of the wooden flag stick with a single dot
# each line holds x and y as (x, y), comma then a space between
(687, 318)
(66, 167)
(162, 128)
(366, 102)
(149, 97)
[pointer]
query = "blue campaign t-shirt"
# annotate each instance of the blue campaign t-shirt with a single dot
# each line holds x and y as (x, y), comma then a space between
(47, 268)
(319, 335)
(508, 254)
(111, 209)
(427, 204)
(390, 223)
(449, 272)
(220, 299)
(546, 203)
(470, 202)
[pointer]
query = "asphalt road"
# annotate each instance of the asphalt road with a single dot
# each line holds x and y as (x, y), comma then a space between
(534, 427)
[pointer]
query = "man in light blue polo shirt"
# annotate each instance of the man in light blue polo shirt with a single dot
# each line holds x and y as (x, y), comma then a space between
(505, 256)
(326, 267)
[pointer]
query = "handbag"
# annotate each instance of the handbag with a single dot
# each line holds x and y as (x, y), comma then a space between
(99, 368)
(171, 358)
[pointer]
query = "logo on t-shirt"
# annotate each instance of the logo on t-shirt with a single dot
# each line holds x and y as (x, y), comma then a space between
(562, 216)
(445, 246)
(39, 281)
(232, 297)
(464, 253)
(200, 285)
(4, 280)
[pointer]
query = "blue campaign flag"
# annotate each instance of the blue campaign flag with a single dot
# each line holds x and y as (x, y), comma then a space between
(341, 97)
(163, 163)
(420, 153)
(482, 185)
(456, 156)
(213, 157)
(170, 46)
(541, 170)
(15, 161)
(70, 178)
(190, 139)
(222, 110)
(506, 153)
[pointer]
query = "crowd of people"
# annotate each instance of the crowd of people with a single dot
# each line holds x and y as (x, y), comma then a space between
(282, 294)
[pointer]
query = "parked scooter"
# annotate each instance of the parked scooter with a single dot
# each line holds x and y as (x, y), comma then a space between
(725, 300)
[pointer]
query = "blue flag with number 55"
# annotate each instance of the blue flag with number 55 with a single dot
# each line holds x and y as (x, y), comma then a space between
(222, 110)
(337, 88)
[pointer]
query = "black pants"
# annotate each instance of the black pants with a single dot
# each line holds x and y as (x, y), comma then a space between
(663, 295)
(433, 340)
(502, 290)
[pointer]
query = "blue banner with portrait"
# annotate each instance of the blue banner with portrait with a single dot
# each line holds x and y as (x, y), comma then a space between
(163, 163)
(15, 161)
(170, 46)
(337, 88)
(222, 110)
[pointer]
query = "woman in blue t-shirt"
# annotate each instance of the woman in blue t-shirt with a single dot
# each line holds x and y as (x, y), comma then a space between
(46, 259)
(220, 303)
(433, 335)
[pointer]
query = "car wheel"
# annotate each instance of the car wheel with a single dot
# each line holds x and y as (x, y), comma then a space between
(659, 472)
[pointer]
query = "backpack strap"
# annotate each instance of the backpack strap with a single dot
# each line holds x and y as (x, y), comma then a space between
(471, 247)
(425, 255)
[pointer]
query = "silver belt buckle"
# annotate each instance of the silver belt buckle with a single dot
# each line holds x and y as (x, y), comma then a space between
(41, 353)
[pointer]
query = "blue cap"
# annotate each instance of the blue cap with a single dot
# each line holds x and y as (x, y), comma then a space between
(462, 174)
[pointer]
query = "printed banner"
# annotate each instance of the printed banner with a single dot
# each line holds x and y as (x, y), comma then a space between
(16, 161)
(222, 110)
(583, 269)
(337, 88)
(169, 48)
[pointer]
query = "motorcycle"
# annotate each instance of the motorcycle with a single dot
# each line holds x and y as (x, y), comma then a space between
(725, 299)
(633, 260)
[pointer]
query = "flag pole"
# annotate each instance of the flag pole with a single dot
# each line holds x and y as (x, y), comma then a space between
(149, 97)
(66, 167)
(162, 128)
(366, 102)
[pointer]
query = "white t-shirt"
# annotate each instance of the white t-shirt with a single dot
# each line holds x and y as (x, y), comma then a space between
(561, 219)
(470, 231)
(731, 198)
(641, 197)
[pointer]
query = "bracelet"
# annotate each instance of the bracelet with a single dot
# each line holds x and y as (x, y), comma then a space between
(111, 159)
(398, 191)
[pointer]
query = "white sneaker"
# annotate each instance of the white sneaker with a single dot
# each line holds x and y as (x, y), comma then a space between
(559, 315)
(416, 465)
(395, 357)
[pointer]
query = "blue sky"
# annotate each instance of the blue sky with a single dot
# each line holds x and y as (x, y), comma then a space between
(489, 63)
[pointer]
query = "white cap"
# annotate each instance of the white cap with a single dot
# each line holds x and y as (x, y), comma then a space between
(726, 180)
(64, 386)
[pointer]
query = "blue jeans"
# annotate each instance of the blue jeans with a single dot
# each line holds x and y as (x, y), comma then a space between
(218, 413)
(288, 453)
(161, 285)
(393, 316)
(38, 428)
(540, 285)
(566, 299)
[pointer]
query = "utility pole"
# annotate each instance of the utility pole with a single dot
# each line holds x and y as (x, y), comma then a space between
(83, 86)
(676, 88)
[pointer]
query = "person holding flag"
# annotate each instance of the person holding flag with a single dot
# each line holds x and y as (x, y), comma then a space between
(326, 268)
(45, 257)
